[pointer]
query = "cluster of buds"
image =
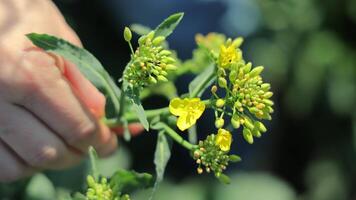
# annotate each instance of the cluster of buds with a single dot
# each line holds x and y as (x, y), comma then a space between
(101, 190)
(247, 97)
(151, 61)
(211, 158)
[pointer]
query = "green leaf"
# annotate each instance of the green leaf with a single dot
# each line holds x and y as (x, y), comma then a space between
(224, 179)
(93, 162)
(202, 81)
(89, 66)
(134, 96)
(124, 181)
(40, 188)
(162, 155)
(140, 29)
(79, 196)
(168, 25)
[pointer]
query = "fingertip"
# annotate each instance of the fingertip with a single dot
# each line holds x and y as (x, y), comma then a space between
(134, 128)
(107, 141)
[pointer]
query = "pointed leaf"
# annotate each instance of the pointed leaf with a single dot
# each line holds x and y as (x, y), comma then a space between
(89, 66)
(162, 155)
(140, 29)
(168, 25)
(133, 95)
(202, 81)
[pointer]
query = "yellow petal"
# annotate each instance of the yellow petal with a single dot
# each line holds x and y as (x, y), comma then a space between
(198, 107)
(177, 107)
(185, 121)
(223, 139)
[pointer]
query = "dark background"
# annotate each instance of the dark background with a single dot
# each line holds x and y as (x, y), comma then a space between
(308, 50)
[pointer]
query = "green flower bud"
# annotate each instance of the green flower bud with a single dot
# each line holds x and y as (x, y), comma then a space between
(222, 82)
(127, 34)
(247, 68)
(152, 80)
(220, 103)
(158, 40)
(248, 123)
(150, 35)
(214, 89)
(265, 86)
(171, 67)
(237, 42)
(165, 53)
(261, 127)
(254, 110)
(238, 104)
(168, 60)
(162, 78)
(235, 121)
(221, 72)
(247, 135)
(219, 123)
(142, 40)
(256, 133)
(268, 95)
(234, 158)
(256, 71)
(233, 76)
(90, 181)
(268, 102)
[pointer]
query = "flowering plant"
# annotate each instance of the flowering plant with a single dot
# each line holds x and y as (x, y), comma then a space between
(238, 97)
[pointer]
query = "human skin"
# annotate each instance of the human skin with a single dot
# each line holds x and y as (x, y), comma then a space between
(49, 112)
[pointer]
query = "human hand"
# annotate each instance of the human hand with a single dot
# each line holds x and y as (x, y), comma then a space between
(48, 110)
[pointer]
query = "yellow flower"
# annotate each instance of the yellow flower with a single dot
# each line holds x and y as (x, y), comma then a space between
(188, 111)
(228, 54)
(223, 139)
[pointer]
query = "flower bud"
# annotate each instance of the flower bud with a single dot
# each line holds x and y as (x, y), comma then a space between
(265, 86)
(268, 95)
(220, 103)
(171, 67)
(152, 80)
(221, 72)
(90, 181)
(214, 89)
(219, 122)
(150, 35)
(256, 133)
(127, 34)
(247, 68)
(165, 53)
(233, 75)
(261, 127)
(162, 78)
(158, 40)
(200, 170)
(235, 121)
(222, 82)
(268, 102)
(256, 71)
(247, 135)
(237, 42)
(248, 123)
(234, 158)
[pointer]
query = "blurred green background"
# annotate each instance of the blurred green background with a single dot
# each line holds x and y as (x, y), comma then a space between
(308, 48)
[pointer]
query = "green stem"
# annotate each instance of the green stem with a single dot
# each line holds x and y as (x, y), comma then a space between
(175, 136)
